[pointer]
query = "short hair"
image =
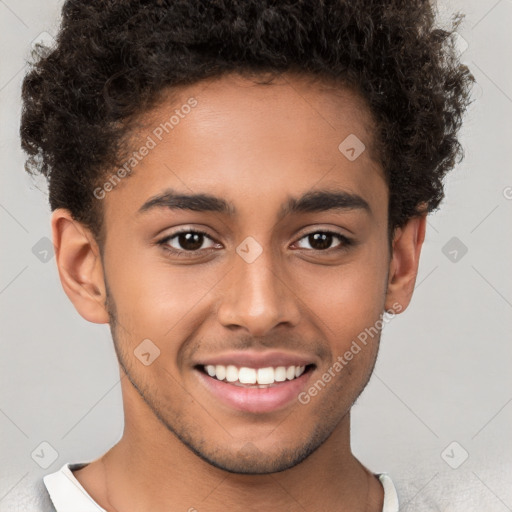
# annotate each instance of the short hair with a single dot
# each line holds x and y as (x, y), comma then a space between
(113, 59)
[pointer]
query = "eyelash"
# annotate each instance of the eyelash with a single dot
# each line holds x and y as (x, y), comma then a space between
(345, 242)
(176, 252)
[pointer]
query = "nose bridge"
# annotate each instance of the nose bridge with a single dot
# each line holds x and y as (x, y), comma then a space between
(256, 297)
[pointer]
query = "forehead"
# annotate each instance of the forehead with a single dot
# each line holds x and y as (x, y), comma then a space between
(233, 137)
(241, 112)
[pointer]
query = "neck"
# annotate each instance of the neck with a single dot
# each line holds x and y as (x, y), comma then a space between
(150, 469)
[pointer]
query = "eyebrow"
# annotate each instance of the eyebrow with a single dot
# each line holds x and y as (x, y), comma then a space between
(324, 200)
(314, 201)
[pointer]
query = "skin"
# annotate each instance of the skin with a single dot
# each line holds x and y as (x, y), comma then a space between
(255, 146)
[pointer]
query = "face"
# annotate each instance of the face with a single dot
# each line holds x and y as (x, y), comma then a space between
(250, 253)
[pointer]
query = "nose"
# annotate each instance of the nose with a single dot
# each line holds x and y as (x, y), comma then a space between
(258, 297)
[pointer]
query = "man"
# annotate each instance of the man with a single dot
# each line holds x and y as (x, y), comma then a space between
(240, 190)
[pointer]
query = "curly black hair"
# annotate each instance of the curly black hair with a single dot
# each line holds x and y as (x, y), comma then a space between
(113, 59)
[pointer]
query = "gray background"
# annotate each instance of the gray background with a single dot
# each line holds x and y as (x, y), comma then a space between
(443, 373)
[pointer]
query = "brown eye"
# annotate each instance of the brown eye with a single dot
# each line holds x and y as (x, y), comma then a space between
(189, 241)
(322, 240)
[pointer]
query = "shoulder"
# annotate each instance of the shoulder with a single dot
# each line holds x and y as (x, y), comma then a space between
(459, 490)
(38, 494)
(30, 495)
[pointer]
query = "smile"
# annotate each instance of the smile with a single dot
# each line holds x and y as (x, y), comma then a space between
(254, 382)
(254, 377)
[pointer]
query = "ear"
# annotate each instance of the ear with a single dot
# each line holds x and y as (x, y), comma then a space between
(403, 267)
(80, 267)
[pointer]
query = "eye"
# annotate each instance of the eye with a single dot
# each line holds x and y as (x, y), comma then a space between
(188, 241)
(322, 241)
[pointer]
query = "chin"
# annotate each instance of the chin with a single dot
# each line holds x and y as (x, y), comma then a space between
(250, 460)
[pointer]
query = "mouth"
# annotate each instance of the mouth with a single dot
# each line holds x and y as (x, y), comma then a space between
(260, 378)
(255, 386)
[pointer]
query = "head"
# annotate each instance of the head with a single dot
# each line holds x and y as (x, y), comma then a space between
(243, 180)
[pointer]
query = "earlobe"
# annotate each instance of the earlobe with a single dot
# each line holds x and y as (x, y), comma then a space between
(80, 266)
(403, 267)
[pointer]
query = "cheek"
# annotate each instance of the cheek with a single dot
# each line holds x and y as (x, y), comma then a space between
(154, 299)
(346, 300)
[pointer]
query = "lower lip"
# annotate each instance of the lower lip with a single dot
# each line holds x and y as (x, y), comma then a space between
(253, 399)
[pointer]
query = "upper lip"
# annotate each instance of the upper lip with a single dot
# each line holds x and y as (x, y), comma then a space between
(253, 359)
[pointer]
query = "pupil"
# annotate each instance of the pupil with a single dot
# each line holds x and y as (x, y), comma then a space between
(320, 240)
(190, 241)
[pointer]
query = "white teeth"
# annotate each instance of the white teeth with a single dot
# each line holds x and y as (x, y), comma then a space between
(261, 376)
(265, 375)
(220, 372)
(280, 374)
(231, 373)
(247, 375)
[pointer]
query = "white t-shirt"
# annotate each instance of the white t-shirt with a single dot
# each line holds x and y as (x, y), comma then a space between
(69, 496)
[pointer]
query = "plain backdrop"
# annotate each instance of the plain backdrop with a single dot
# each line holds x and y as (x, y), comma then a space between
(442, 386)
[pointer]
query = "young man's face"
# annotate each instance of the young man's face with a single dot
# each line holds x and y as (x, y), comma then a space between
(265, 286)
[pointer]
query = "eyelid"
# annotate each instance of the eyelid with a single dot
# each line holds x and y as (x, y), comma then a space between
(186, 229)
(345, 241)
(163, 242)
(311, 230)
(177, 234)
